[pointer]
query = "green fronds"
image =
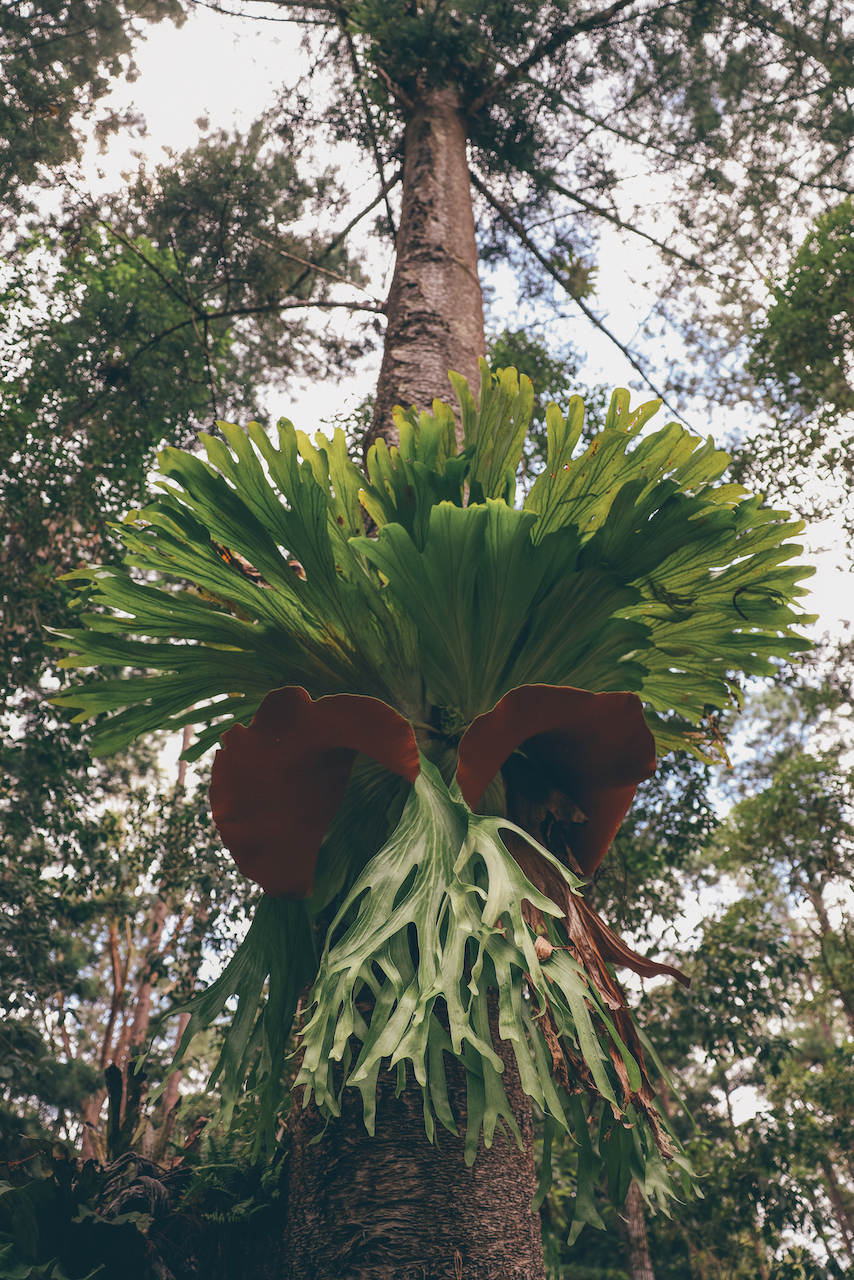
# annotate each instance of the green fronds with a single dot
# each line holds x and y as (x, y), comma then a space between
(629, 567)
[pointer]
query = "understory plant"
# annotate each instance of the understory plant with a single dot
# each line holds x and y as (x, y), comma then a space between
(434, 701)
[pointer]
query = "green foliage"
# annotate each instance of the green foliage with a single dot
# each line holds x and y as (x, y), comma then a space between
(804, 352)
(57, 62)
(431, 877)
(74, 935)
(114, 341)
(549, 374)
(802, 359)
(768, 1014)
(51, 1227)
(568, 592)
(252, 571)
(642, 878)
(279, 945)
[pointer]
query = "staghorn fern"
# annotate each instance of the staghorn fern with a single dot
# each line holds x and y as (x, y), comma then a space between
(627, 568)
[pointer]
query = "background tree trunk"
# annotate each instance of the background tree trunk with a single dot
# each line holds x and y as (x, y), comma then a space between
(634, 1228)
(395, 1207)
(435, 310)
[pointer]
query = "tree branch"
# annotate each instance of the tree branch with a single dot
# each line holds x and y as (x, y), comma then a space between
(305, 262)
(263, 17)
(395, 90)
(129, 244)
(626, 226)
(834, 59)
(341, 235)
(229, 312)
(561, 36)
(369, 120)
(516, 226)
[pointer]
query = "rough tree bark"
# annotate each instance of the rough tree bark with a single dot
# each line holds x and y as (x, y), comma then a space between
(395, 1207)
(634, 1230)
(435, 310)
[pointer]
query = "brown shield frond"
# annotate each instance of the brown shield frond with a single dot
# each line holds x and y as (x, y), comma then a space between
(595, 746)
(277, 785)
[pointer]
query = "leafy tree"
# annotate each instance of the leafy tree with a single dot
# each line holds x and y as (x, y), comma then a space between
(118, 336)
(767, 1012)
(742, 108)
(804, 348)
(802, 356)
(58, 59)
(525, 88)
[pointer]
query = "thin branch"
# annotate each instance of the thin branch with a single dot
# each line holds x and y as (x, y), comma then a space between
(320, 5)
(63, 1029)
(53, 39)
(263, 17)
(227, 314)
(129, 244)
(627, 226)
(550, 44)
(395, 89)
(305, 262)
(557, 275)
(369, 120)
(293, 305)
(342, 235)
(645, 143)
(254, 311)
(119, 980)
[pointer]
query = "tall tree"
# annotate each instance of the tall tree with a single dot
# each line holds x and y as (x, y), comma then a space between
(58, 60)
(761, 1043)
(125, 326)
(519, 85)
(802, 356)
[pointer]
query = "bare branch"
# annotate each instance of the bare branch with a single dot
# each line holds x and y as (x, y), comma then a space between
(264, 17)
(395, 89)
(516, 226)
(550, 44)
(230, 312)
(369, 120)
(626, 226)
(305, 262)
(341, 235)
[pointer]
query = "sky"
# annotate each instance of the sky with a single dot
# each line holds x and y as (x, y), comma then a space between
(228, 70)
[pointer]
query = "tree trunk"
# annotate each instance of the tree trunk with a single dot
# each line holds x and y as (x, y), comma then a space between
(640, 1263)
(840, 1211)
(435, 311)
(394, 1207)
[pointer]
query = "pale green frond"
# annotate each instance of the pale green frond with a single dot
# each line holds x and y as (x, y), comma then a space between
(235, 633)
(446, 878)
(581, 492)
(494, 611)
(266, 975)
(495, 432)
